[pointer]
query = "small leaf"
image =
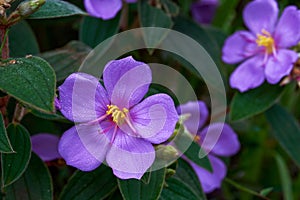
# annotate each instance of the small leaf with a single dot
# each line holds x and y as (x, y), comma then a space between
(187, 175)
(255, 101)
(67, 59)
(30, 80)
(5, 146)
(137, 189)
(94, 30)
(153, 17)
(170, 7)
(22, 40)
(266, 191)
(285, 178)
(97, 184)
(56, 8)
(176, 189)
(286, 130)
(35, 183)
(14, 164)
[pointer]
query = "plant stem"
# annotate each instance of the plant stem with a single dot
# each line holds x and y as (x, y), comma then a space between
(242, 188)
(4, 55)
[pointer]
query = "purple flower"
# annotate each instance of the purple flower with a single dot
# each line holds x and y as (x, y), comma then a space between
(227, 144)
(203, 11)
(45, 145)
(114, 123)
(105, 9)
(265, 47)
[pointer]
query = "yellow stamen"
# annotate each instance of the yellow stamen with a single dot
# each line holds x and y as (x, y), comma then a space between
(118, 115)
(266, 40)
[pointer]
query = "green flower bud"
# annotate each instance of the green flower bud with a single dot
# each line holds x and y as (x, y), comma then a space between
(166, 152)
(27, 8)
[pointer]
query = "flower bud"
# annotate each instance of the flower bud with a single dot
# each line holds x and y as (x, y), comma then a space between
(166, 152)
(27, 8)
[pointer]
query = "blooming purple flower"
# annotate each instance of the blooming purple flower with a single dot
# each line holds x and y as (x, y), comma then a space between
(114, 123)
(105, 9)
(265, 47)
(227, 144)
(45, 145)
(203, 11)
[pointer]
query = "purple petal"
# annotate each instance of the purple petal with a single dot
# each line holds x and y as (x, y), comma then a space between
(248, 75)
(261, 15)
(210, 180)
(154, 119)
(203, 11)
(105, 9)
(220, 140)
(130, 157)
(126, 81)
(287, 32)
(45, 146)
(82, 98)
(75, 151)
(239, 46)
(280, 66)
(198, 115)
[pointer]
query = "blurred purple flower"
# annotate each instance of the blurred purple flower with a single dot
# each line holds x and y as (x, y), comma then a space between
(45, 145)
(265, 46)
(105, 9)
(203, 11)
(113, 123)
(227, 144)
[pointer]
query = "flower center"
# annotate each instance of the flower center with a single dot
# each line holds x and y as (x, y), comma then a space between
(266, 40)
(118, 115)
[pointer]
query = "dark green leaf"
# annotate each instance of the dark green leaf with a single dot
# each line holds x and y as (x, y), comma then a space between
(138, 189)
(5, 146)
(176, 189)
(67, 59)
(56, 8)
(22, 40)
(30, 80)
(153, 17)
(285, 178)
(187, 175)
(286, 130)
(48, 116)
(203, 37)
(94, 30)
(97, 184)
(170, 7)
(35, 183)
(253, 102)
(14, 164)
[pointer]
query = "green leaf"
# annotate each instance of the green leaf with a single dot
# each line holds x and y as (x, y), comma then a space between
(67, 59)
(14, 164)
(286, 130)
(255, 101)
(187, 175)
(35, 183)
(285, 178)
(56, 8)
(153, 17)
(94, 30)
(5, 146)
(183, 140)
(265, 192)
(203, 37)
(30, 80)
(22, 40)
(48, 116)
(138, 189)
(176, 189)
(170, 7)
(97, 184)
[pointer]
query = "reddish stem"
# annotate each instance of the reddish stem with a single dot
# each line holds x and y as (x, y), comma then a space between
(5, 55)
